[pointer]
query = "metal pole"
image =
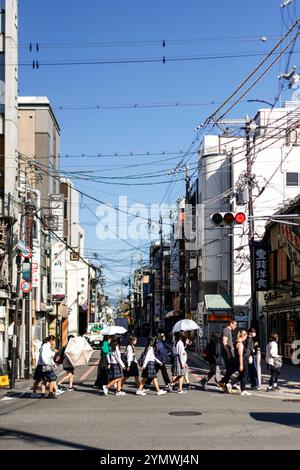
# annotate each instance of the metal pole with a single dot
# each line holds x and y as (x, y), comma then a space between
(161, 272)
(16, 322)
(254, 319)
(258, 365)
(28, 320)
(187, 253)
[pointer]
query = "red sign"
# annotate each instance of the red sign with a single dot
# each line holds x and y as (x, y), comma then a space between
(26, 253)
(26, 286)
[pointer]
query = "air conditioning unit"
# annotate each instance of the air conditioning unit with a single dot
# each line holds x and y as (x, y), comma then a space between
(74, 256)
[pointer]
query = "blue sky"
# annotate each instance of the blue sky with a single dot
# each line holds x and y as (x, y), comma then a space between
(139, 130)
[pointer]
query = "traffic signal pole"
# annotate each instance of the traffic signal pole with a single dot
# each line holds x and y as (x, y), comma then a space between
(28, 320)
(187, 253)
(254, 319)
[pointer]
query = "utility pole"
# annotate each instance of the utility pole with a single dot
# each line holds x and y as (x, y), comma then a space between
(160, 272)
(27, 298)
(254, 319)
(187, 290)
(16, 323)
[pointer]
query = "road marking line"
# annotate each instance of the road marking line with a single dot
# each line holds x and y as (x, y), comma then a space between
(88, 372)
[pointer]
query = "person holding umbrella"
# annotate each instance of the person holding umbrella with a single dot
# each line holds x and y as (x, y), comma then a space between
(179, 366)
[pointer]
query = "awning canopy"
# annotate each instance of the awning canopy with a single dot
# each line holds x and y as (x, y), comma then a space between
(172, 313)
(217, 302)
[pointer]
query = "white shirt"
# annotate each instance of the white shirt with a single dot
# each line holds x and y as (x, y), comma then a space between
(271, 352)
(115, 358)
(150, 357)
(46, 357)
(130, 355)
(179, 350)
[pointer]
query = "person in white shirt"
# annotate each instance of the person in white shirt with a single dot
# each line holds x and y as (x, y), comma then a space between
(179, 366)
(47, 366)
(272, 362)
(148, 368)
(116, 367)
(131, 362)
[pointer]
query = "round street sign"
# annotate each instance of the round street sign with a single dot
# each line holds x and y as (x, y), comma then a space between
(26, 286)
(84, 307)
(26, 253)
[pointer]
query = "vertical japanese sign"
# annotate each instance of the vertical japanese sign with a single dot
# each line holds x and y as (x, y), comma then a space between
(36, 263)
(260, 260)
(58, 270)
(57, 213)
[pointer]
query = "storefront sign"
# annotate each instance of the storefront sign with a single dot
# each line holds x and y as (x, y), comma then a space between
(260, 260)
(57, 212)
(290, 236)
(58, 270)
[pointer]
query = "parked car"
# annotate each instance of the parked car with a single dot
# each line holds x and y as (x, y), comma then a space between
(93, 335)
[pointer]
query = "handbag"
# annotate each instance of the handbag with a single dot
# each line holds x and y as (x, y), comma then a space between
(47, 368)
(278, 362)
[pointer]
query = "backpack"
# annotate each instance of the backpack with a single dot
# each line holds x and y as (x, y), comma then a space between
(59, 356)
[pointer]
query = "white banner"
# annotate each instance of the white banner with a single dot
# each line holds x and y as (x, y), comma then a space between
(58, 269)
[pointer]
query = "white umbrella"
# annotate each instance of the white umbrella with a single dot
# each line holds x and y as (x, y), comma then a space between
(79, 351)
(185, 325)
(113, 330)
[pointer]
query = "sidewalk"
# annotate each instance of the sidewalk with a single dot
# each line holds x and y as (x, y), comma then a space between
(289, 379)
(24, 385)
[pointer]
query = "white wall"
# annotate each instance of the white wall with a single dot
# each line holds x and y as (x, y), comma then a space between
(218, 171)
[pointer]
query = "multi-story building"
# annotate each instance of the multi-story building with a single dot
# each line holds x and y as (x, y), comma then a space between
(8, 167)
(282, 297)
(39, 136)
(268, 160)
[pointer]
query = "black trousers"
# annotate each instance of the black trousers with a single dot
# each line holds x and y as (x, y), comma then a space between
(274, 376)
(164, 373)
(230, 369)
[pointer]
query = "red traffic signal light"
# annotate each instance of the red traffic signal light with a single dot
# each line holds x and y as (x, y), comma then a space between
(222, 219)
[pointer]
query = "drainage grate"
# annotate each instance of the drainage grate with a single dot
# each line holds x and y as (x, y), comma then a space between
(294, 400)
(185, 413)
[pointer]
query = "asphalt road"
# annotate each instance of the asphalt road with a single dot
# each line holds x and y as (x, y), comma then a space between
(86, 419)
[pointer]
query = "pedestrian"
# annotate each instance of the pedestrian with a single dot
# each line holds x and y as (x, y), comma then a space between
(241, 363)
(67, 365)
(179, 366)
(115, 366)
(213, 356)
(274, 362)
(147, 362)
(131, 369)
(46, 360)
(228, 353)
(251, 344)
(102, 370)
(38, 374)
(162, 354)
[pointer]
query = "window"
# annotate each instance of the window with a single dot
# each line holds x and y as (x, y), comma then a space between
(292, 179)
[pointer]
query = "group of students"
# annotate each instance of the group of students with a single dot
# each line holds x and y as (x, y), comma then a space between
(45, 372)
(239, 359)
(115, 368)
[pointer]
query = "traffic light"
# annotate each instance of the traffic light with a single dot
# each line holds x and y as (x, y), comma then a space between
(222, 219)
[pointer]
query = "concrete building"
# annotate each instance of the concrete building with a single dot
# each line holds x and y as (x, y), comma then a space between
(8, 166)
(39, 136)
(275, 167)
(79, 273)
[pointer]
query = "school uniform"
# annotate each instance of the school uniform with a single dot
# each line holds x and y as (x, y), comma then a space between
(45, 367)
(131, 363)
(149, 371)
(116, 365)
(179, 359)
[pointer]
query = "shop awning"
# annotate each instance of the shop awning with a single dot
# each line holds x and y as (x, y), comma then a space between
(217, 302)
(172, 313)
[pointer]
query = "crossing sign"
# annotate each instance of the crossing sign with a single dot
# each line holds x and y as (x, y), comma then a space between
(26, 286)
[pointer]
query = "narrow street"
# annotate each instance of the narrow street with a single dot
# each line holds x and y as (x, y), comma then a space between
(86, 419)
